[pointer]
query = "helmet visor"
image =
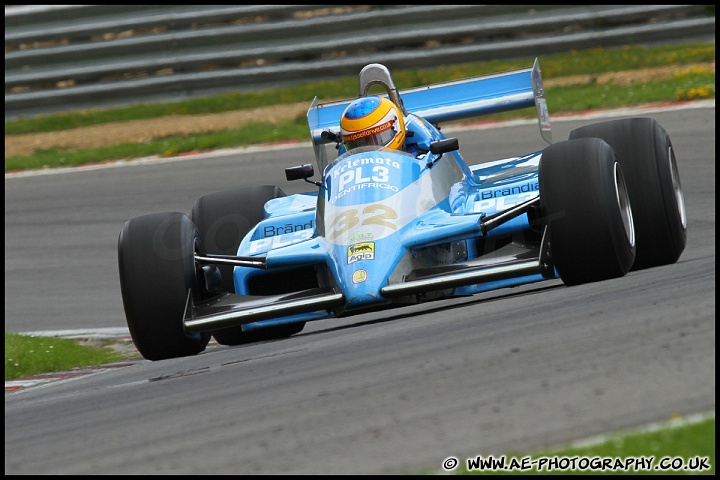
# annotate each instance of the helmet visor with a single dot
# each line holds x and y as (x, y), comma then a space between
(379, 135)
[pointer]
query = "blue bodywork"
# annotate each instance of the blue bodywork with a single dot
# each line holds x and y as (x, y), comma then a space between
(385, 228)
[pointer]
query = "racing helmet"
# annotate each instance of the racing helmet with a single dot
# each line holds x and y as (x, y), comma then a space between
(372, 121)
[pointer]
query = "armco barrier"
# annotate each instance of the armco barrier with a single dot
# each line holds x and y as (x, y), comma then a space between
(60, 58)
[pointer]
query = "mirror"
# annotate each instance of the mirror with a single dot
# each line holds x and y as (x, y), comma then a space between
(443, 146)
(301, 172)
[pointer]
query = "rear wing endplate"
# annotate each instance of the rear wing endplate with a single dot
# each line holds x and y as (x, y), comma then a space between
(442, 102)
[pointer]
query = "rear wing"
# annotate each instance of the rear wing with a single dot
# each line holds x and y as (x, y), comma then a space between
(440, 102)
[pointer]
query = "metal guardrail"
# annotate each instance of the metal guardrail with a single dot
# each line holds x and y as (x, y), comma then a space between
(60, 58)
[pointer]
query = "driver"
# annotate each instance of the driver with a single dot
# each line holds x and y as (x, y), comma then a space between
(374, 120)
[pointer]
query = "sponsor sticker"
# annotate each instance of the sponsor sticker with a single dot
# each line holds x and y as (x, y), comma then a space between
(359, 276)
(361, 251)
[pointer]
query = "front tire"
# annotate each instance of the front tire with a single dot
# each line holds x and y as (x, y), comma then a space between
(585, 204)
(156, 258)
(223, 219)
(647, 158)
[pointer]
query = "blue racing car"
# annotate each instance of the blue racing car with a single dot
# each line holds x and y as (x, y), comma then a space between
(398, 216)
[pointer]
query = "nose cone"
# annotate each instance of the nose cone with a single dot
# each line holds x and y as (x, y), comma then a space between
(364, 268)
(364, 299)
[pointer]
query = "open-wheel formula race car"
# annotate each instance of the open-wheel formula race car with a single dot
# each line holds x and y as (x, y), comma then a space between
(382, 228)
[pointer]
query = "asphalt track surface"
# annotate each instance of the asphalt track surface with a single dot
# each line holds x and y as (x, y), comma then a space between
(396, 392)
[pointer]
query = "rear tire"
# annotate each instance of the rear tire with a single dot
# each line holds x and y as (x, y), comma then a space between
(585, 204)
(156, 258)
(647, 158)
(223, 219)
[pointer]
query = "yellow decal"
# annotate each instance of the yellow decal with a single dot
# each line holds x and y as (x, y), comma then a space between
(349, 218)
(361, 251)
(359, 276)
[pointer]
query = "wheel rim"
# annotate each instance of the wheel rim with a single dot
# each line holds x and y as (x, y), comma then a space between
(623, 202)
(679, 198)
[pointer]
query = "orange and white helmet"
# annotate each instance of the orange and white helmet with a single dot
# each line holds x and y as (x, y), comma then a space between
(372, 121)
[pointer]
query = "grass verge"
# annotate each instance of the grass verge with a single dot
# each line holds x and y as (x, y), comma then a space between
(26, 356)
(677, 447)
(586, 92)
